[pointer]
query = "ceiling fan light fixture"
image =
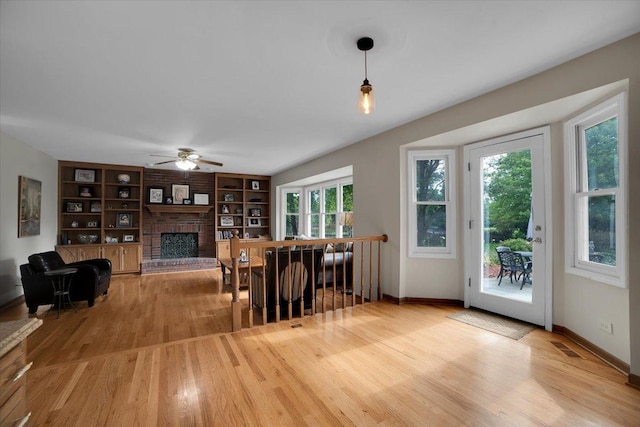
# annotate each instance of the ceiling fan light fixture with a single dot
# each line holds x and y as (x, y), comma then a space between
(185, 164)
(366, 102)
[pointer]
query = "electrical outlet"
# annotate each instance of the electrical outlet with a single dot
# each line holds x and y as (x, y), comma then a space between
(605, 326)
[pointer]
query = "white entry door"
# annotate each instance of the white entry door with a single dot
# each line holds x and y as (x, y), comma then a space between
(506, 207)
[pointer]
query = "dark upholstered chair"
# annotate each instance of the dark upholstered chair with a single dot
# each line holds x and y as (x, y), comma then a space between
(91, 280)
(295, 278)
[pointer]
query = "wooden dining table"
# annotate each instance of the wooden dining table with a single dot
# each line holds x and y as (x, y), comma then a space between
(253, 263)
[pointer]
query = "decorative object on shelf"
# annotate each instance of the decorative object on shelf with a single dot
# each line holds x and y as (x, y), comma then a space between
(186, 201)
(255, 212)
(239, 211)
(30, 194)
(225, 209)
(254, 222)
(124, 205)
(128, 238)
(226, 221)
(243, 256)
(200, 199)
(366, 103)
(179, 192)
(155, 195)
(74, 207)
(228, 197)
(124, 192)
(168, 200)
(109, 239)
(123, 219)
(255, 185)
(92, 224)
(246, 235)
(84, 175)
(87, 238)
(124, 178)
(95, 207)
(85, 191)
(75, 224)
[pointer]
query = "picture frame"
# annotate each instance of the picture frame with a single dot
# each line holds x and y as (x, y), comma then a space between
(128, 238)
(201, 199)
(123, 219)
(84, 175)
(95, 206)
(155, 195)
(254, 222)
(179, 192)
(228, 197)
(255, 185)
(124, 192)
(30, 201)
(85, 191)
(255, 212)
(168, 200)
(186, 201)
(226, 221)
(74, 207)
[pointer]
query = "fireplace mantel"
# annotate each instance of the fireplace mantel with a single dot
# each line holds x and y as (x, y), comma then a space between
(176, 209)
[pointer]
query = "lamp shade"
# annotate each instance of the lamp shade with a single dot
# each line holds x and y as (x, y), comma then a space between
(185, 165)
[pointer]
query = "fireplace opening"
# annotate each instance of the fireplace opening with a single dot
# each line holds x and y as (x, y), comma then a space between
(179, 245)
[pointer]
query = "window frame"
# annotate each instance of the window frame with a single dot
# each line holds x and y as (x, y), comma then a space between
(449, 250)
(304, 220)
(576, 215)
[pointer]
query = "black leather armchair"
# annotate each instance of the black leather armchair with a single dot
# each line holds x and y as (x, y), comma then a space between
(91, 280)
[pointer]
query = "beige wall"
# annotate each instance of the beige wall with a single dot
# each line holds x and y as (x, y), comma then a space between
(379, 181)
(17, 158)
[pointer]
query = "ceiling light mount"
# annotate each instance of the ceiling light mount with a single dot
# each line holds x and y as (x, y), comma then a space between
(366, 103)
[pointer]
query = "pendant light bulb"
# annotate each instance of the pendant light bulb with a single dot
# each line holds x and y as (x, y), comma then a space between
(367, 100)
(366, 103)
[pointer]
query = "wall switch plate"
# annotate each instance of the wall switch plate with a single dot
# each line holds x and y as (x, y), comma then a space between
(605, 326)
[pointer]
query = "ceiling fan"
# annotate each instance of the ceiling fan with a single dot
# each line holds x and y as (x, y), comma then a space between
(186, 160)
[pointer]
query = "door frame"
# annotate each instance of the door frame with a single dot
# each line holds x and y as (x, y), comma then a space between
(545, 132)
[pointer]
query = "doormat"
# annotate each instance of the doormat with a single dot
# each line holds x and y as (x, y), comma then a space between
(505, 326)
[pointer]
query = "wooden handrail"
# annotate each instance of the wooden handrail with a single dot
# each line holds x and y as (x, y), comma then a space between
(236, 246)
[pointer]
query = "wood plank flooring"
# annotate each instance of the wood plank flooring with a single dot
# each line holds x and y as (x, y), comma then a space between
(158, 351)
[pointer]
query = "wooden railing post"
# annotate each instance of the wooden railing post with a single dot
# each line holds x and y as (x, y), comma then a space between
(236, 308)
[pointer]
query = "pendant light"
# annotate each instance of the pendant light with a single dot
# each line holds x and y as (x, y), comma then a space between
(366, 104)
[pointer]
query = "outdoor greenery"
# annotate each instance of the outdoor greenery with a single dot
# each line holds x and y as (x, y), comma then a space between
(507, 185)
(431, 218)
(330, 207)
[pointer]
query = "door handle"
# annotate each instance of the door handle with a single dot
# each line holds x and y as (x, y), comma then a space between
(537, 240)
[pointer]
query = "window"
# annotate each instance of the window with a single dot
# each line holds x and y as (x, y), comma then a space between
(292, 212)
(595, 199)
(323, 210)
(432, 203)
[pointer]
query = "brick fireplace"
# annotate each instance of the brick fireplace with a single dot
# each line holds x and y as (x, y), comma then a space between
(155, 224)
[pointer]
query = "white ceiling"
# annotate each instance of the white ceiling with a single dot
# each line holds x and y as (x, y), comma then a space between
(265, 85)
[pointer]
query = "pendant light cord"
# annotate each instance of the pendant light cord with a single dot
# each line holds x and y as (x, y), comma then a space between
(365, 65)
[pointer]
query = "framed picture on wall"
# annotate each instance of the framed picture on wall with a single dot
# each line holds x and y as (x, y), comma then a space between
(254, 222)
(201, 199)
(179, 192)
(155, 195)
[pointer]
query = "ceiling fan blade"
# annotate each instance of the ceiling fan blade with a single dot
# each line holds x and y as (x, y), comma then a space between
(161, 155)
(162, 163)
(209, 162)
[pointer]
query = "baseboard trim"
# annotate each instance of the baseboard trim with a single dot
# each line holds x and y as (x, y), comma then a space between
(12, 304)
(633, 381)
(422, 301)
(597, 351)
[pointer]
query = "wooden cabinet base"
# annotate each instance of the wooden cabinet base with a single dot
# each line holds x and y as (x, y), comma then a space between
(125, 257)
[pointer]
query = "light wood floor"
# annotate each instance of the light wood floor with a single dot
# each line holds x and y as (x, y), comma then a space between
(157, 351)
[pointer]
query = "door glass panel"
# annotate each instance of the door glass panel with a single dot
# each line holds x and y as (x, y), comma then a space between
(507, 220)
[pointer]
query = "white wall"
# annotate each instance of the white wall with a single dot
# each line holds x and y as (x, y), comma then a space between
(379, 182)
(19, 159)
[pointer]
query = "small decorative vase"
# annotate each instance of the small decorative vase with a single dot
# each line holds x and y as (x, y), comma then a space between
(124, 178)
